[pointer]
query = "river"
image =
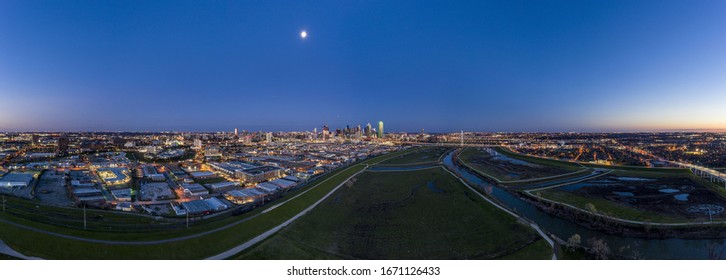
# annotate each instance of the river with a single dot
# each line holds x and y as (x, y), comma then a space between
(673, 248)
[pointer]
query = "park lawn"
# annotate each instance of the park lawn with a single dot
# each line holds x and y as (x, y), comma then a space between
(396, 215)
(42, 245)
(419, 155)
(538, 250)
(7, 257)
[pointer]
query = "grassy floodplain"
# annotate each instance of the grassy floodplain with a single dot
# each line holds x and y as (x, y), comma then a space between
(43, 245)
(504, 165)
(652, 200)
(418, 155)
(426, 214)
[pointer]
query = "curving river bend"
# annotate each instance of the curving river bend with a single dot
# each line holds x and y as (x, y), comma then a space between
(673, 248)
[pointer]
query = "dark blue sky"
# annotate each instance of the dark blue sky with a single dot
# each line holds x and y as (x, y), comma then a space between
(438, 65)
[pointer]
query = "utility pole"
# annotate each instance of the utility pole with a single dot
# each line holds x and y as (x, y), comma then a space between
(84, 216)
(187, 218)
(3, 203)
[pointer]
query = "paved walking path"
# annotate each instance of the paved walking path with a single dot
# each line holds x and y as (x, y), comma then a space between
(263, 236)
(152, 242)
(533, 225)
(5, 249)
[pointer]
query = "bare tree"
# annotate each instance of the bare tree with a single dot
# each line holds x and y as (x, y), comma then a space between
(590, 207)
(599, 248)
(574, 241)
(488, 190)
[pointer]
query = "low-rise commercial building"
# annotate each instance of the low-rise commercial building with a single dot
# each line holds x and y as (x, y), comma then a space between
(222, 186)
(122, 195)
(194, 190)
(245, 195)
(260, 174)
(16, 180)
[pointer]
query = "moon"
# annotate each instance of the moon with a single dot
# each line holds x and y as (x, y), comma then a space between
(303, 34)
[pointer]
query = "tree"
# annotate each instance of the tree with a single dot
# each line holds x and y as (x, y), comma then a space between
(599, 248)
(574, 241)
(590, 207)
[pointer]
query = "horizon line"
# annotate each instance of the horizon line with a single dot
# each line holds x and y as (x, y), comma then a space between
(394, 132)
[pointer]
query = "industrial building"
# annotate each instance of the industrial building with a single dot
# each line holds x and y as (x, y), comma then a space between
(204, 206)
(122, 195)
(269, 187)
(283, 183)
(16, 180)
(260, 174)
(245, 195)
(202, 174)
(194, 190)
(222, 186)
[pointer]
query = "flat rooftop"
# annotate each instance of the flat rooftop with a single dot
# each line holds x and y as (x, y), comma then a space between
(260, 170)
(17, 177)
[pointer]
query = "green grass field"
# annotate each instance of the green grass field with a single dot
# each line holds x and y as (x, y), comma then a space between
(631, 211)
(6, 257)
(43, 245)
(398, 215)
(608, 207)
(418, 155)
(537, 160)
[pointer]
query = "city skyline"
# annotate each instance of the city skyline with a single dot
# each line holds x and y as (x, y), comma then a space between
(444, 67)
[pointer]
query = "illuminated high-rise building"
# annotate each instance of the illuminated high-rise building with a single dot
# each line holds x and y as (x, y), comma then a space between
(326, 132)
(380, 129)
(369, 128)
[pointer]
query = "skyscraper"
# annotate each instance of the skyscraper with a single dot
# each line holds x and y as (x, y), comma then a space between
(380, 129)
(269, 137)
(369, 128)
(326, 132)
